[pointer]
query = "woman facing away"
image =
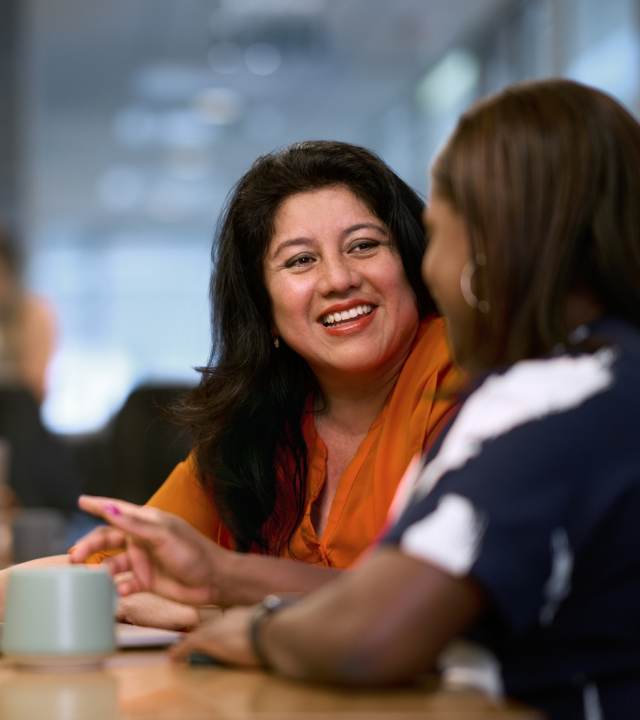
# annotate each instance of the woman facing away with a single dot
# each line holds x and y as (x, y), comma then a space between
(327, 357)
(521, 529)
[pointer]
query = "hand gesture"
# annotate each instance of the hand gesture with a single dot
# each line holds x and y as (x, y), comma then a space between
(161, 552)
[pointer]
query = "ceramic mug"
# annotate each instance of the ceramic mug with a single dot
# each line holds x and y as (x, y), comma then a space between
(59, 616)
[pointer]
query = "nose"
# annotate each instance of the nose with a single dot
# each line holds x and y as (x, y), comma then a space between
(337, 276)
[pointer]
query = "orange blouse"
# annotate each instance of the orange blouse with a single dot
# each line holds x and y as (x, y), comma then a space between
(410, 417)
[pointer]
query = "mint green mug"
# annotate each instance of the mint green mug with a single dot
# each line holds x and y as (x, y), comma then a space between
(59, 616)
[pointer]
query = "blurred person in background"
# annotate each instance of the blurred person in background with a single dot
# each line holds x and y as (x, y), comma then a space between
(27, 327)
(521, 529)
(41, 468)
(324, 378)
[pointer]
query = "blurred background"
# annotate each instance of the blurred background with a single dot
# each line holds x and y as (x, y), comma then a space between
(124, 124)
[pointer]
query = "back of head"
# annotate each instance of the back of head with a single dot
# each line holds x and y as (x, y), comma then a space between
(547, 178)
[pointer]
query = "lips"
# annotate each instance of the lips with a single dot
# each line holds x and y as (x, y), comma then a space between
(358, 317)
(341, 317)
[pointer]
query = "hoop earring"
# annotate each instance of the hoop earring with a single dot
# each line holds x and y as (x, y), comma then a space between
(276, 342)
(465, 284)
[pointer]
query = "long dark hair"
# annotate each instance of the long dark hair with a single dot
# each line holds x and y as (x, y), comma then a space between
(245, 416)
(547, 176)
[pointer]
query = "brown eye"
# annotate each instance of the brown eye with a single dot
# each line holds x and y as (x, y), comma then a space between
(300, 261)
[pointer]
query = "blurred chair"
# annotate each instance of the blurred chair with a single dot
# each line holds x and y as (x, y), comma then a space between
(144, 445)
(42, 468)
(38, 532)
(128, 459)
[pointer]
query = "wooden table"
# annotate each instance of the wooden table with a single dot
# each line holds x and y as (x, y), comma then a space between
(144, 685)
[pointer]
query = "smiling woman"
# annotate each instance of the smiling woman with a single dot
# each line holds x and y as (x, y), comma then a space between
(322, 385)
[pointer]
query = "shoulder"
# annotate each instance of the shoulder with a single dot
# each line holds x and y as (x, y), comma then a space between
(532, 408)
(182, 494)
(432, 333)
(38, 312)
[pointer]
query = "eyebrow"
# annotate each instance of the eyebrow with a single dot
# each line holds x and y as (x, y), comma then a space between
(345, 233)
(290, 243)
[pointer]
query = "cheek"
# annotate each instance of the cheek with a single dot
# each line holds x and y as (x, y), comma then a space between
(396, 284)
(289, 301)
(437, 275)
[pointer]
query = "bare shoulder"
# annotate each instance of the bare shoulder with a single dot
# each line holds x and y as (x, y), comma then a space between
(38, 310)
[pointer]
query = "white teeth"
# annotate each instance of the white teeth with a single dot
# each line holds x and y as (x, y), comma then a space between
(338, 317)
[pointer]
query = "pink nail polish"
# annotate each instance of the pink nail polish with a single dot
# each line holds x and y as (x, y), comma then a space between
(111, 509)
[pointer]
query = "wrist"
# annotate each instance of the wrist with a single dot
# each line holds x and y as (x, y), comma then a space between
(220, 561)
(264, 610)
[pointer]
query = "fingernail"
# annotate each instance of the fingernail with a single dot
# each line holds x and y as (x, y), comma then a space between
(111, 509)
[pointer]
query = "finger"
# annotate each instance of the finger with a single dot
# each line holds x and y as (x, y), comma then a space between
(161, 584)
(129, 586)
(141, 563)
(118, 565)
(102, 538)
(146, 522)
(178, 591)
(181, 650)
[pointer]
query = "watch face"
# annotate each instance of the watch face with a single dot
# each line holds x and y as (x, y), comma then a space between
(272, 602)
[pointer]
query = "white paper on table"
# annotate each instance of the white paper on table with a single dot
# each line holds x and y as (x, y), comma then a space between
(136, 636)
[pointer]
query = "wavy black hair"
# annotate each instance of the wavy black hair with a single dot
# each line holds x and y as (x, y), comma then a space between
(245, 415)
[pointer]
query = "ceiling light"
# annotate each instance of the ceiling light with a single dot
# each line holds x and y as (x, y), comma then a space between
(262, 58)
(218, 106)
(448, 83)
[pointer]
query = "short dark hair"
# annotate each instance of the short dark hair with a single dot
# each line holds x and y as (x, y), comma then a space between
(547, 177)
(246, 414)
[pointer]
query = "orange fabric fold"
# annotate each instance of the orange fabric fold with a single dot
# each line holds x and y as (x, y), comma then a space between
(410, 418)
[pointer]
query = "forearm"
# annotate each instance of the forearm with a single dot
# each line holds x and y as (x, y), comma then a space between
(154, 611)
(247, 579)
(322, 639)
(385, 623)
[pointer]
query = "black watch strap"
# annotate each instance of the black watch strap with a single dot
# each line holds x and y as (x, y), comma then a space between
(270, 605)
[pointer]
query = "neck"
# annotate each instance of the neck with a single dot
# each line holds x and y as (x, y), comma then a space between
(581, 309)
(352, 401)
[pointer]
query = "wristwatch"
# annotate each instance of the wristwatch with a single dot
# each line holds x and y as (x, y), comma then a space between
(270, 605)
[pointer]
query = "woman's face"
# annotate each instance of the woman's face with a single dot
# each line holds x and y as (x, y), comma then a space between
(448, 251)
(339, 294)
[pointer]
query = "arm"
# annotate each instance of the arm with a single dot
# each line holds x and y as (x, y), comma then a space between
(383, 623)
(167, 556)
(39, 341)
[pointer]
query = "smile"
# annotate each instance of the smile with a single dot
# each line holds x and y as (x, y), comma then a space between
(333, 320)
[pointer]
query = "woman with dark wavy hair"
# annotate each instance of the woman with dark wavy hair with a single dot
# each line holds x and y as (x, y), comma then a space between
(522, 528)
(322, 383)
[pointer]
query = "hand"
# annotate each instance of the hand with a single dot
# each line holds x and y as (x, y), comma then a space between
(152, 610)
(162, 553)
(224, 637)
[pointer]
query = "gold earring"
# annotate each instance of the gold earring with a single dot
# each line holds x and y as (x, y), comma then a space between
(465, 284)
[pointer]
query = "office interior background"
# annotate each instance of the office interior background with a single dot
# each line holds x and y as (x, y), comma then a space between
(124, 124)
